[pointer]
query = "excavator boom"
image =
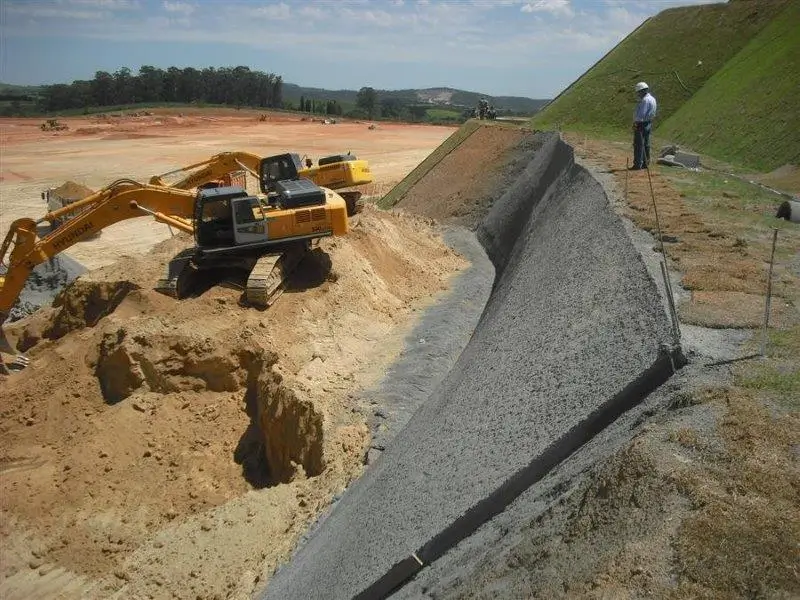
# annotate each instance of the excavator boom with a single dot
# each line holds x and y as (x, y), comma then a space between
(334, 172)
(22, 249)
(213, 169)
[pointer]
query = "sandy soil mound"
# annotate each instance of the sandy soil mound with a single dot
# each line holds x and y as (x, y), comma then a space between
(169, 448)
(69, 190)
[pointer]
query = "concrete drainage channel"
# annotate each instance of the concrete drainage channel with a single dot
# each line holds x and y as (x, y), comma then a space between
(573, 335)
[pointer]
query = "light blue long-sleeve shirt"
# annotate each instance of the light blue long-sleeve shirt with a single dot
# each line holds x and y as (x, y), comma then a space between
(646, 109)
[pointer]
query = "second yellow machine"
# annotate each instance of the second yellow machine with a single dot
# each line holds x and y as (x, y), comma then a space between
(333, 172)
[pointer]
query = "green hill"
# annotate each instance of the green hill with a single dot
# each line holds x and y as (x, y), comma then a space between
(676, 52)
(8, 89)
(749, 111)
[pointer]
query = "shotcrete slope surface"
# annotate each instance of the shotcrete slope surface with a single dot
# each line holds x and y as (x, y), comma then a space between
(573, 318)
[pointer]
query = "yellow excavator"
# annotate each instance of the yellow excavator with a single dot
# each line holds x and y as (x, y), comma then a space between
(227, 168)
(265, 236)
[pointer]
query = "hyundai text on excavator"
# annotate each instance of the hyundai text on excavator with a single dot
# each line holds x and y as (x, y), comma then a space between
(228, 168)
(264, 236)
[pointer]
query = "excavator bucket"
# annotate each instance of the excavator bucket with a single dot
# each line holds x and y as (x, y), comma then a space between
(19, 241)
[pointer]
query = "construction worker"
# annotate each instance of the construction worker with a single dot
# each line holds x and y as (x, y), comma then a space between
(483, 108)
(642, 124)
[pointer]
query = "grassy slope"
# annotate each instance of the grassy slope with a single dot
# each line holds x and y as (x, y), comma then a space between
(749, 111)
(602, 100)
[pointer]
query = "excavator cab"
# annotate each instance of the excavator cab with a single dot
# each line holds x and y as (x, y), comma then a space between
(225, 217)
(273, 169)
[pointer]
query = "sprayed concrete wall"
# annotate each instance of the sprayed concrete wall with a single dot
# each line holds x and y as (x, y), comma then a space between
(572, 335)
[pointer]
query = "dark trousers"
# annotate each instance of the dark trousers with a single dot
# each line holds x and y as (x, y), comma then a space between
(641, 145)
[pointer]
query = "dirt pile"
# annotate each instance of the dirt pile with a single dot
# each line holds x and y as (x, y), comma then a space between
(150, 437)
(69, 190)
(292, 429)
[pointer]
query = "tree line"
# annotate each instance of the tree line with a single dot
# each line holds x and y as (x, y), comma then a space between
(235, 86)
(310, 105)
(368, 105)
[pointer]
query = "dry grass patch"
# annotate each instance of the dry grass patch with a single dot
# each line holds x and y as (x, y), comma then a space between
(742, 539)
(688, 437)
(732, 276)
(735, 309)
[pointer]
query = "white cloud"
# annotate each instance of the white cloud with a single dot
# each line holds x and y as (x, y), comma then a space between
(36, 11)
(556, 7)
(107, 4)
(272, 11)
(179, 7)
(313, 12)
(381, 18)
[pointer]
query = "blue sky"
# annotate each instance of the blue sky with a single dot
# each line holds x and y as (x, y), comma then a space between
(506, 47)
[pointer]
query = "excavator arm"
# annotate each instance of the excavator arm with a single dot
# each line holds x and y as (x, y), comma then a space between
(211, 169)
(334, 175)
(22, 248)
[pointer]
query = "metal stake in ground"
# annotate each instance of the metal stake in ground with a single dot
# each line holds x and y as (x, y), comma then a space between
(655, 210)
(627, 165)
(676, 326)
(769, 294)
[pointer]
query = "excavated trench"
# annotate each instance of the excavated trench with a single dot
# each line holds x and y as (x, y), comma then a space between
(573, 335)
(285, 435)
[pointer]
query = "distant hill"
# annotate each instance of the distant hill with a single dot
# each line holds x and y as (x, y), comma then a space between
(722, 86)
(10, 88)
(436, 97)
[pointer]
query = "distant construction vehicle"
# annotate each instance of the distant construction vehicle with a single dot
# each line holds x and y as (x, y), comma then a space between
(266, 237)
(229, 168)
(483, 108)
(53, 125)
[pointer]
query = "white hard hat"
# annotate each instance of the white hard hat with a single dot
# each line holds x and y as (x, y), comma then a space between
(641, 86)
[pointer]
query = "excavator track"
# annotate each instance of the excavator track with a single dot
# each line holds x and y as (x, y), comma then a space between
(267, 279)
(176, 282)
